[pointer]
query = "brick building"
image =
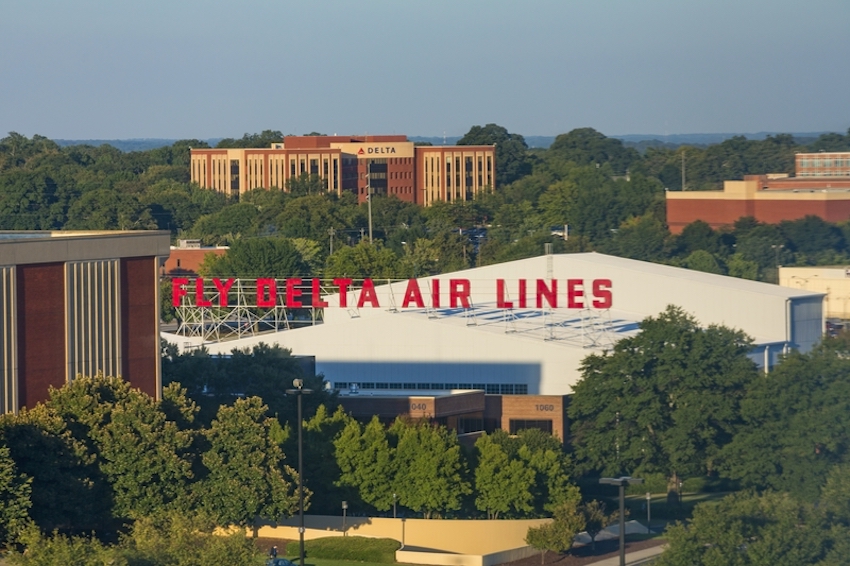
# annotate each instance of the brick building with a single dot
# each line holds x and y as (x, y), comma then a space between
(78, 303)
(386, 165)
(821, 188)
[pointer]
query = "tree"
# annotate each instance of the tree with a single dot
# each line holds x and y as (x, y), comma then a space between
(559, 535)
(666, 400)
(262, 140)
(363, 260)
(745, 528)
(512, 160)
(795, 423)
(366, 462)
(640, 238)
(68, 491)
(586, 146)
(701, 260)
(321, 470)
(259, 257)
(15, 490)
(146, 458)
(502, 484)
(595, 519)
(244, 466)
(429, 468)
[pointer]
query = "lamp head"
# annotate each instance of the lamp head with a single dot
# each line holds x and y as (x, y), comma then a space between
(298, 383)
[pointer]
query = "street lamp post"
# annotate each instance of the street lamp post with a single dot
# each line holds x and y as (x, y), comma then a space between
(344, 508)
(622, 482)
(300, 392)
(395, 498)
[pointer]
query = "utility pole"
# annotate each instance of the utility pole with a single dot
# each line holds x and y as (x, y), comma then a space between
(683, 170)
(369, 196)
(331, 231)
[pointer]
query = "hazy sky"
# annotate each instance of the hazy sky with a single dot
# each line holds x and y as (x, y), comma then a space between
(190, 69)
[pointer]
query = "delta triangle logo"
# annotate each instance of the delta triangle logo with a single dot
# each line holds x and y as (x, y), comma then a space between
(360, 151)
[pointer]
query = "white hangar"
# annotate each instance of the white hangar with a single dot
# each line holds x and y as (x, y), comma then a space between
(521, 327)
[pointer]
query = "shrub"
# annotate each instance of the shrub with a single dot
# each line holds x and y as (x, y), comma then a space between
(362, 549)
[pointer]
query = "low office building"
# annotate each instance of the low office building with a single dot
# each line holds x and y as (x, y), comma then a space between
(382, 165)
(78, 303)
(820, 188)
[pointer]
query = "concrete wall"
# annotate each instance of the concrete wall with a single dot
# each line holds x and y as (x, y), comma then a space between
(472, 537)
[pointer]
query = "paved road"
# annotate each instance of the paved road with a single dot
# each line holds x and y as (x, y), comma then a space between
(644, 556)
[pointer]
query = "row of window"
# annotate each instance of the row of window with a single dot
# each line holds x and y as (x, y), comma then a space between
(822, 173)
(489, 388)
(824, 162)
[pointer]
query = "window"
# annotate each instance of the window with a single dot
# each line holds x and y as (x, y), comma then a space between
(518, 425)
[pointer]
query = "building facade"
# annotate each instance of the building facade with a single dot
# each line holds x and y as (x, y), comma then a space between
(78, 303)
(832, 164)
(382, 165)
(767, 199)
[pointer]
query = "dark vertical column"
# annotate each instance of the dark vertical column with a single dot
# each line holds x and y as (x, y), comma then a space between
(139, 315)
(40, 290)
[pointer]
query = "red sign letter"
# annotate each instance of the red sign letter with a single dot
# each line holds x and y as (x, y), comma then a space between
(435, 293)
(343, 290)
(222, 290)
(178, 290)
(574, 293)
(412, 294)
(317, 298)
(292, 293)
(602, 292)
(266, 292)
(367, 293)
(551, 295)
(501, 303)
(200, 301)
(459, 289)
(523, 298)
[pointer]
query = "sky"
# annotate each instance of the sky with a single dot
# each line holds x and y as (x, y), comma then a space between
(184, 69)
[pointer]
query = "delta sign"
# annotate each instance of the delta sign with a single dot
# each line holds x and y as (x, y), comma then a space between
(293, 292)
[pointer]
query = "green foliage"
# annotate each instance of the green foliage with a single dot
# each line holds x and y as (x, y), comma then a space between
(745, 528)
(259, 257)
(244, 467)
(430, 470)
(363, 260)
(360, 549)
(187, 540)
(795, 421)
(502, 485)
(512, 161)
(146, 458)
(586, 146)
(367, 462)
(666, 400)
(43, 550)
(558, 536)
(69, 491)
(15, 502)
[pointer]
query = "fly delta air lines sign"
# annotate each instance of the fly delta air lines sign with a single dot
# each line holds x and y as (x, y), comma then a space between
(295, 292)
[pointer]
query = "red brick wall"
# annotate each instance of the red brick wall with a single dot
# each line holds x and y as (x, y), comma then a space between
(41, 330)
(719, 213)
(139, 311)
(190, 260)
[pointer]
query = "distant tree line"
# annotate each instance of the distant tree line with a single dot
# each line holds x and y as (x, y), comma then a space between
(605, 195)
